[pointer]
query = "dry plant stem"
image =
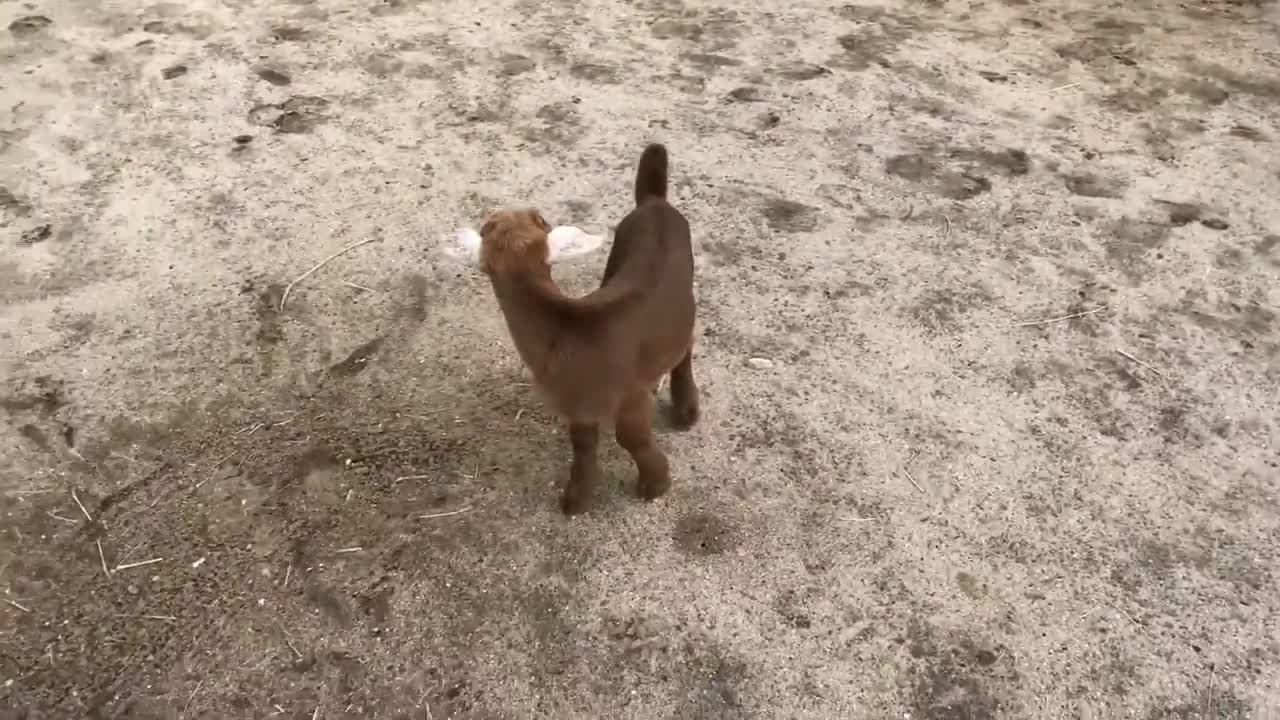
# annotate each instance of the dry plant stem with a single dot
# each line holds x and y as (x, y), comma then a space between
(912, 479)
(127, 566)
(1139, 362)
(445, 514)
(216, 465)
(1064, 318)
(289, 288)
(80, 505)
(1208, 698)
(192, 697)
(23, 609)
(103, 558)
(56, 516)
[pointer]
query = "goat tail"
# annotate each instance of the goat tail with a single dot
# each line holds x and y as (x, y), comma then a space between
(651, 175)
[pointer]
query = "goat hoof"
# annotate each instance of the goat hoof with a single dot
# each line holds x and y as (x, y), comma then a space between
(683, 418)
(574, 503)
(652, 489)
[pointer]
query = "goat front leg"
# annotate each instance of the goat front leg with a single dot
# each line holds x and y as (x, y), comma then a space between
(634, 432)
(684, 393)
(584, 472)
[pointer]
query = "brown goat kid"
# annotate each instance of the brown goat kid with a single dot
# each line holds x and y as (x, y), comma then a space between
(598, 359)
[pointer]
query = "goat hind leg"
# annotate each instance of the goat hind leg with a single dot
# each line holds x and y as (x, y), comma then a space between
(634, 431)
(684, 393)
(584, 472)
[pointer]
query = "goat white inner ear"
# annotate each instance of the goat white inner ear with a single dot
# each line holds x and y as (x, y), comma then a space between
(567, 241)
(465, 246)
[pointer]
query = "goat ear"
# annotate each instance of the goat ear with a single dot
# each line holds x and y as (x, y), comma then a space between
(465, 246)
(567, 241)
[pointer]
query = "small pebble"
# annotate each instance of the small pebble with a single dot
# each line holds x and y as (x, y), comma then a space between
(275, 77)
(36, 235)
(760, 363)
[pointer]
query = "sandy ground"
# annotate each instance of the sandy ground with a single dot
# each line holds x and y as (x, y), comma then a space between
(922, 509)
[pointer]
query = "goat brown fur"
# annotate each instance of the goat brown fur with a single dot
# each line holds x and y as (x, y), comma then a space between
(597, 359)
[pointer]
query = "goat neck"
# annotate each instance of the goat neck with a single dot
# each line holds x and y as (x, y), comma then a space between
(534, 309)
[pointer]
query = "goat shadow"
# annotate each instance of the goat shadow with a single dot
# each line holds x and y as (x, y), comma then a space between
(513, 429)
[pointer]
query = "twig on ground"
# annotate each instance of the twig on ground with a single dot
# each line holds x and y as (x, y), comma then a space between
(947, 235)
(316, 714)
(192, 697)
(1139, 362)
(519, 413)
(1208, 698)
(912, 479)
(284, 297)
(166, 618)
(1063, 318)
(127, 566)
(80, 505)
(103, 558)
(288, 638)
(56, 516)
(402, 478)
(444, 514)
(15, 604)
(1068, 86)
(216, 465)
(350, 284)
(340, 551)
(424, 416)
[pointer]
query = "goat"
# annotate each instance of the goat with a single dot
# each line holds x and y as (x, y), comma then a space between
(600, 358)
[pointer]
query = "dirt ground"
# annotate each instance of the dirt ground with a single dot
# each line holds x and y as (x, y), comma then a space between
(939, 500)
